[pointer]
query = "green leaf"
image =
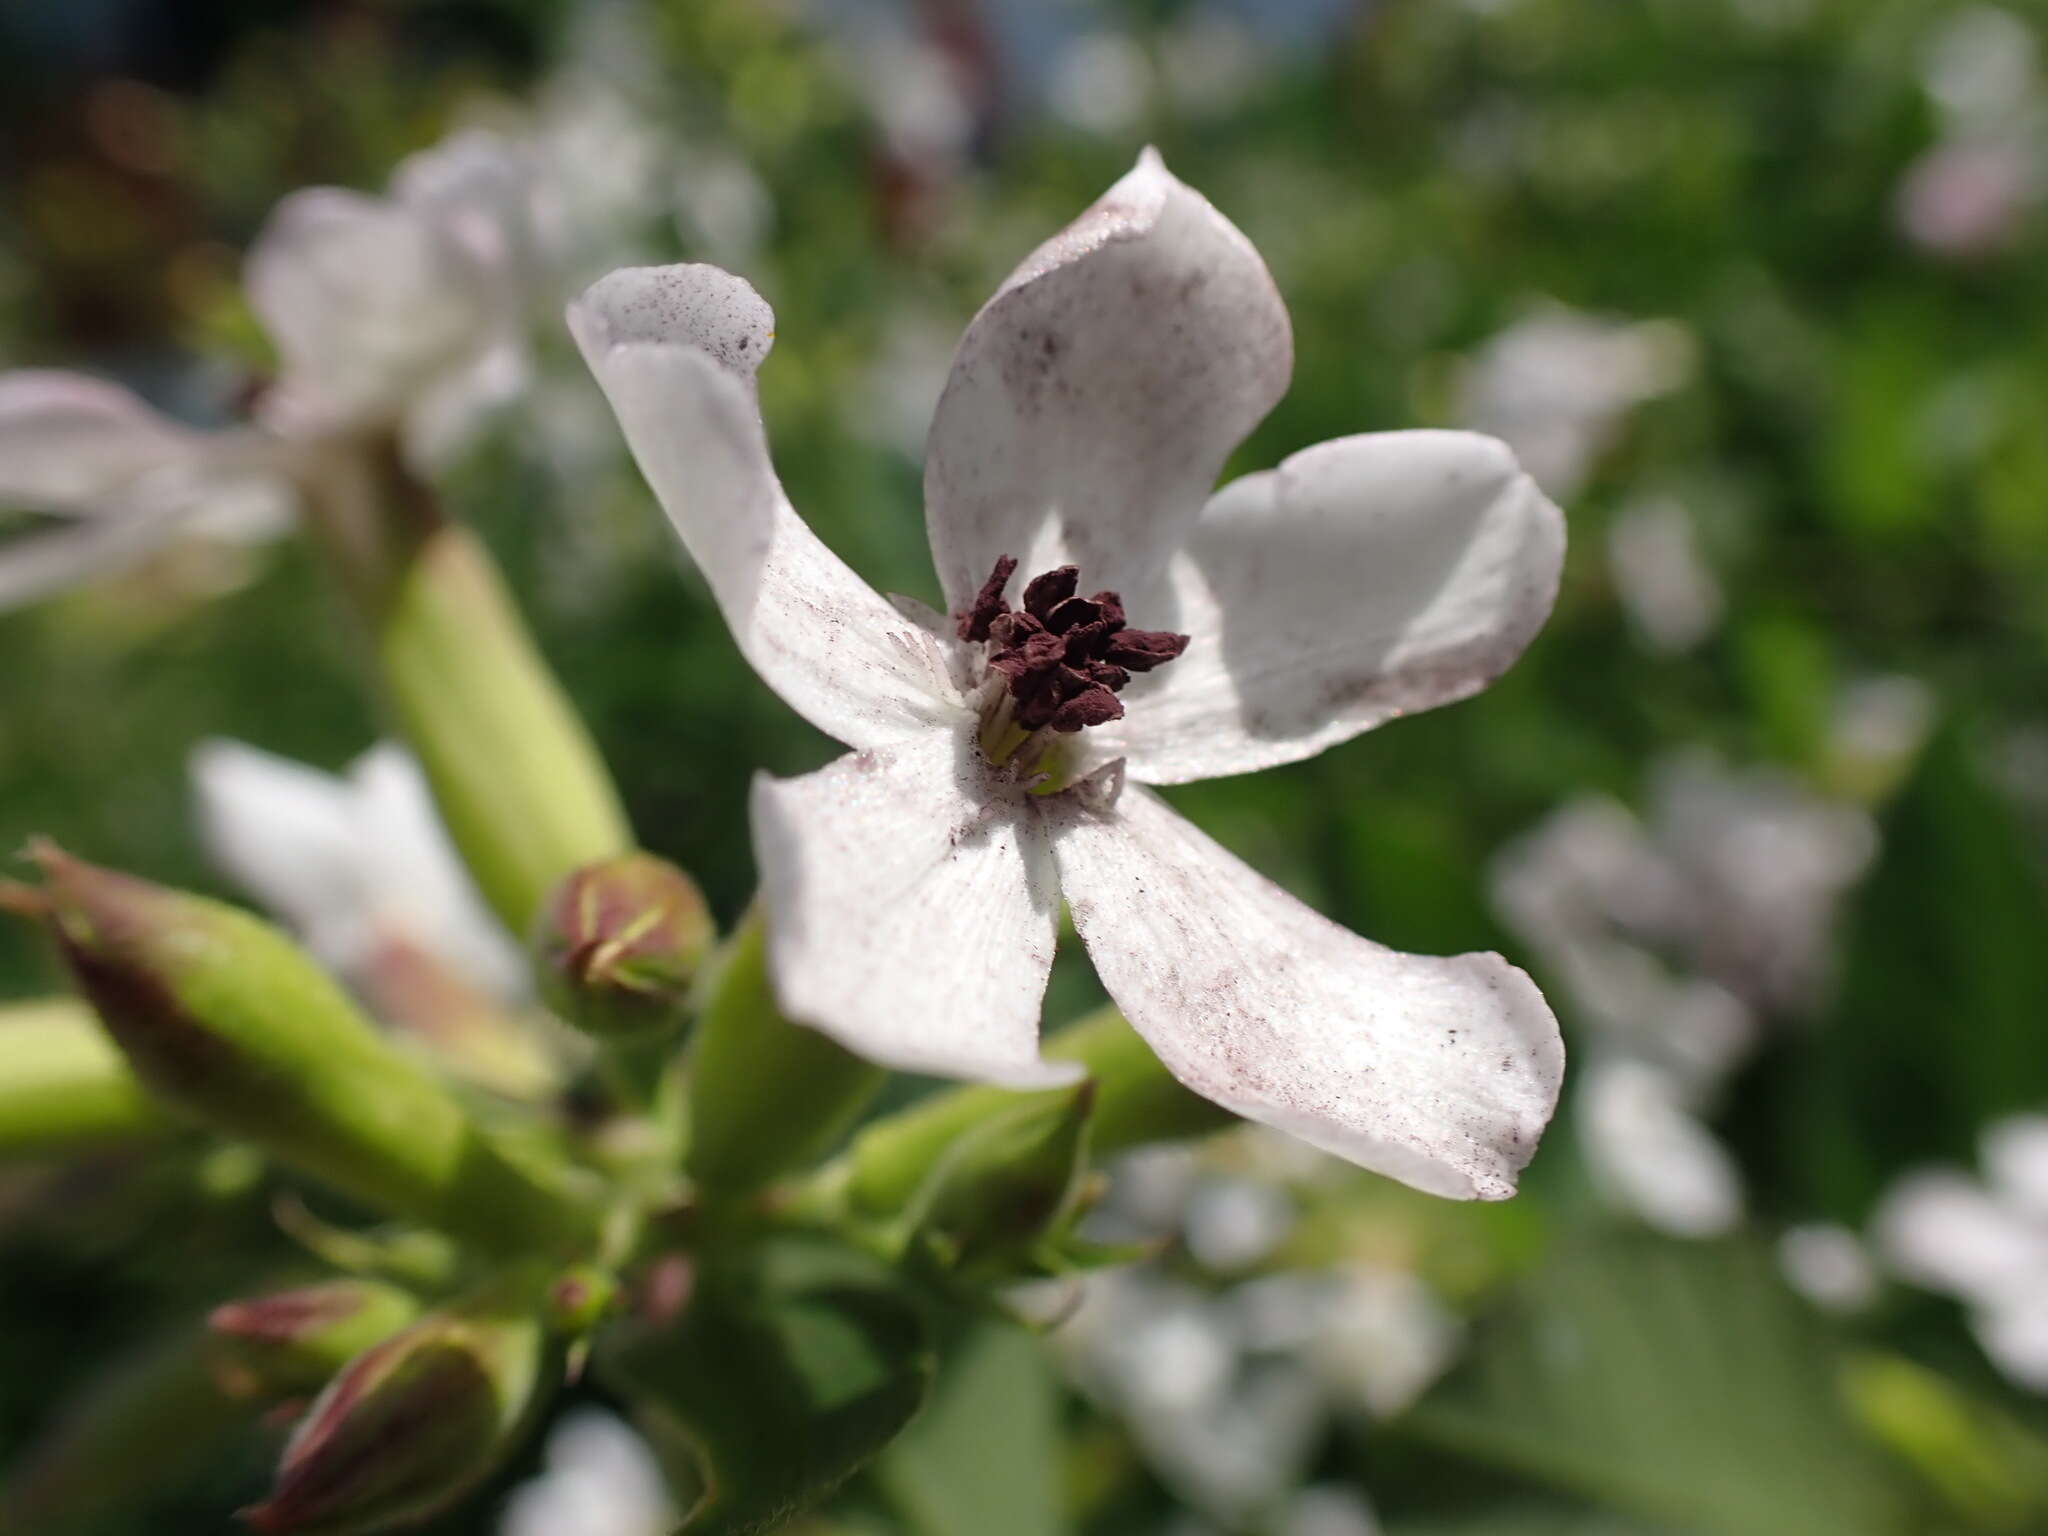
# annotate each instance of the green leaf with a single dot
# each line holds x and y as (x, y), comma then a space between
(782, 1378)
(984, 1459)
(1677, 1383)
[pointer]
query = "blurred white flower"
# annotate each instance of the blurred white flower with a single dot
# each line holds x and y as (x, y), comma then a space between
(1670, 592)
(1557, 387)
(347, 859)
(1828, 1265)
(1984, 1242)
(913, 885)
(1209, 61)
(1964, 197)
(121, 481)
(1877, 729)
(1229, 1430)
(599, 1479)
(1102, 83)
(1650, 1152)
(1329, 1509)
(1979, 65)
(1669, 941)
(359, 866)
(404, 311)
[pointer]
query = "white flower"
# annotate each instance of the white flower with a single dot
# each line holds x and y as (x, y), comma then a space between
(405, 310)
(359, 866)
(1557, 386)
(121, 480)
(1985, 1243)
(350, 860)
(913, 886)
(1663, 577)
(401, 312)
(600, 1480)
(1737, 879)
(1828, 1265)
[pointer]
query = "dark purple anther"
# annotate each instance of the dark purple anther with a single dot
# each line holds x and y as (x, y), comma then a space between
(1063, 657)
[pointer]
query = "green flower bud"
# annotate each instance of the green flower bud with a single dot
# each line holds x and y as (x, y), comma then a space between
(412, 1424)
(1004, 1188)
(618, 945)
(290, 1343)
(1136, 1101)
(126, 1434)
(221, 1015)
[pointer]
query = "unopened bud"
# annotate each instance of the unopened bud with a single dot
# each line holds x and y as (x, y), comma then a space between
(619, 943)
(290, 1343)
(413, 1423)
(223, 1016)
(1009, 1184)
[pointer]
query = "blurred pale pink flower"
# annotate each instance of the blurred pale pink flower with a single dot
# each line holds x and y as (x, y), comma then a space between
(1964, 199)
(913, 886)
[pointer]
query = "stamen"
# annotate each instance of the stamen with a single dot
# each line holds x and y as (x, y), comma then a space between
(988, 604)
(1062, 660)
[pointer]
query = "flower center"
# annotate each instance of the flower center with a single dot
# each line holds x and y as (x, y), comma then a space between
(1062, 660)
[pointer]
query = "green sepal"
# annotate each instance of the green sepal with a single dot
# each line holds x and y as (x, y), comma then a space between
(418, 1420)
(1007, 1193)
(786, 1374)
(290, 1343)
(767, 1096)
(222, 1016)
(1136, 1101)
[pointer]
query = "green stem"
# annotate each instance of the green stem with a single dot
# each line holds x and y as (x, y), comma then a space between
(518, 780)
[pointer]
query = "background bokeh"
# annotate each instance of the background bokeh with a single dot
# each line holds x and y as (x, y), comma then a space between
(1756, 286)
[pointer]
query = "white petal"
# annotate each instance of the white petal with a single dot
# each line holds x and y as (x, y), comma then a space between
(36, 565)
(1941, 1230)
(1652, 1154)
(289, 836)
(1094, 399)
(416, 881)
(2015, 1157)
(2015, 1336)
(911, 912)
(369, 301)
(675, 349)
(1365, 578)
(1437, 1072)
(71, 443)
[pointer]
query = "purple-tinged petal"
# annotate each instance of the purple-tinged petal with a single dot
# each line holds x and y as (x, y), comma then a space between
(1366, 578)
(911, 910)
(1094, 399)
(675, 349)
(1439, 1072)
